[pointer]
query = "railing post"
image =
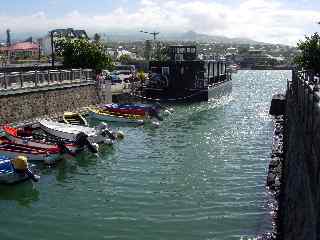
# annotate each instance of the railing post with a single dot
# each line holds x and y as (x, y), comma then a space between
(21, 80)
(5, 81)
(36, 78)
(59, 76)
(72, 75)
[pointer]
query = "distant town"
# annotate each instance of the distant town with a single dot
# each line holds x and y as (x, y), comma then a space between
(244, 53)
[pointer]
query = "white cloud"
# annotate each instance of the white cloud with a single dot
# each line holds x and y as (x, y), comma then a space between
(262, 20)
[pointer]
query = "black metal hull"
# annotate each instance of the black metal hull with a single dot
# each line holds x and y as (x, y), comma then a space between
(188, 95)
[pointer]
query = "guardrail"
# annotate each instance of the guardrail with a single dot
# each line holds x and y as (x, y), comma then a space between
(36, 79)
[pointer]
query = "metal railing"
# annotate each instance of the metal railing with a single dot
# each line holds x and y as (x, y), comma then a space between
(35, 79)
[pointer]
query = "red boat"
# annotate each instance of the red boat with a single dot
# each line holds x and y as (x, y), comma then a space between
(132, 109)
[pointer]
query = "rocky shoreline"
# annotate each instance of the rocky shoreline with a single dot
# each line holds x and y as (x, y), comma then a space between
(275, 172)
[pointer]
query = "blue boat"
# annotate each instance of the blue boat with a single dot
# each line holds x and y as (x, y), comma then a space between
(9, 175)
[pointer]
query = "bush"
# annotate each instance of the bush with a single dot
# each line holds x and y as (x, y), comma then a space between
(80, 53)
(309, 57)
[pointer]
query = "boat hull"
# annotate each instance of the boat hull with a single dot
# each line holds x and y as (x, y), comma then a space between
(219, 90)
(7, 173)
(13, 150)
(188, 95)
(114, 118)
(130, 108)
(70, 132)
(34, 143)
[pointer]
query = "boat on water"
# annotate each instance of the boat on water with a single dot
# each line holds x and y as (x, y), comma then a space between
(74, 119)
(13, 150)
(131, 108)
(105, 115)
(183, 77)
(36, 137)
(9, 174)
(99, 135)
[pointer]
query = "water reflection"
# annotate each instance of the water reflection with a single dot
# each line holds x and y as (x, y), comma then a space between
(23, 193)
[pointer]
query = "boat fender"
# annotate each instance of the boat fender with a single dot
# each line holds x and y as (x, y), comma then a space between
(20, 163)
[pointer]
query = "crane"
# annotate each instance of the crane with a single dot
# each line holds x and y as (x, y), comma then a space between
(154, 34)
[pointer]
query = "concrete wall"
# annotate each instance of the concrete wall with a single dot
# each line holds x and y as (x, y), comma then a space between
(300, 189)
(42, 102)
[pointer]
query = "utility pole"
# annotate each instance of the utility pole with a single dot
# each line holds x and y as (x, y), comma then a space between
(8, 45)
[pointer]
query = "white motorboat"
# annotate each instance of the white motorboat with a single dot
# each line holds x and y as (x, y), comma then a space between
(98, 135)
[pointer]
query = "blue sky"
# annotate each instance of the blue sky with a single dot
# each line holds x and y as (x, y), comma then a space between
(280, 21)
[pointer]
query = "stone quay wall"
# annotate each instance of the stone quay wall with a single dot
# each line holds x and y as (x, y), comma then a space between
(29, 104)
(299, 202)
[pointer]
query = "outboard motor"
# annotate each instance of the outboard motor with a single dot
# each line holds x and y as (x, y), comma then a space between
(104, 131)
(154, 113)
(63, 149)
(82, 141)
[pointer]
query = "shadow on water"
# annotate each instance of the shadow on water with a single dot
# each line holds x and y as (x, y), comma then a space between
(68, 167)
(23, 193)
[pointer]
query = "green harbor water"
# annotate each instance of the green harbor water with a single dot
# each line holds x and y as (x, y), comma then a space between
(200, 175)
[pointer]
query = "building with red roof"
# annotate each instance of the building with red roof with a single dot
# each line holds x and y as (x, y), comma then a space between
(21, 50)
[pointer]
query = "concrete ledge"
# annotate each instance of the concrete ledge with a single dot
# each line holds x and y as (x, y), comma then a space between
(44, 88)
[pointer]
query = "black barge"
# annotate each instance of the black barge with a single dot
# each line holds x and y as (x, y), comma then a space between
(185, 78)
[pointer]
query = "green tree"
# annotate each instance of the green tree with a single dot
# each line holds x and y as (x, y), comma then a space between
(82, 54)
(141, 75)
(96, 38)
(161, 52)
(309, 56)
(125, 59)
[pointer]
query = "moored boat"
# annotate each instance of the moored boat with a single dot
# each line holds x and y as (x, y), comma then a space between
(74, 119)
(37, 138)
(184, 77)
(131, 108)
(9, 174)
(104, 115)
(12, 149)
(98, 135)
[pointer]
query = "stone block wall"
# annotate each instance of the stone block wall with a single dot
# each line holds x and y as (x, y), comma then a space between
(17, 107)
(300, 189)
